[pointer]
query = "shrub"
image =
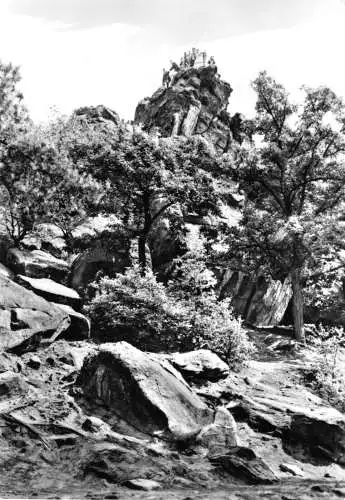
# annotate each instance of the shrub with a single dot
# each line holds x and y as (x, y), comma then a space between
(327, 378)
(144, 312)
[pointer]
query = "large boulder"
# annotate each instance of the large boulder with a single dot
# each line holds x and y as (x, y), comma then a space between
(201, 364)
(150, 395)
(25, 316)
(52, 291)
(98, 258)
(37, 264)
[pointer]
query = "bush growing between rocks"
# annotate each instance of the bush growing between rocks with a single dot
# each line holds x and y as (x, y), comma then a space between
(328, 378)
(144, 312)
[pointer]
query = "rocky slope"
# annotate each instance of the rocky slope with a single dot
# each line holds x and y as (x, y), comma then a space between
(78, 418)
(113, 422)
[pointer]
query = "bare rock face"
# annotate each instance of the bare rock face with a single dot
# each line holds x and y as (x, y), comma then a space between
(52, 291)
(37, 264)
(24, 316)
(201, 364)
(260, 302)
(195, 103)
(97, 258)
(150, 395)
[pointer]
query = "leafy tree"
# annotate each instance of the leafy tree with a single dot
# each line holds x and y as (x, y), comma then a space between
(13, 115)
(42, 184)
(293, 175)
(147, 175)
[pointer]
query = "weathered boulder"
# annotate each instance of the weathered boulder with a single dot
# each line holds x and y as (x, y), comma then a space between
(37, 264)
(259, 301)
(52, 291)
(221, 435)
(98, 258)
(243, 463)
(141, 390)
(200, 364)
(80, 325)
(24, 316)
(195, 103)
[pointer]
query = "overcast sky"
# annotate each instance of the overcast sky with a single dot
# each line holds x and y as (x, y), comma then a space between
(87, 52)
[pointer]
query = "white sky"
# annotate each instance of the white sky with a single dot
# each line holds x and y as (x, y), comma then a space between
(87, 52)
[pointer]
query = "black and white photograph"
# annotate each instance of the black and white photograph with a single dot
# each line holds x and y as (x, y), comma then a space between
(172, 249)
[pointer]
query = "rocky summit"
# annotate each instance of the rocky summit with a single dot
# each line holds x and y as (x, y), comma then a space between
(195, 102)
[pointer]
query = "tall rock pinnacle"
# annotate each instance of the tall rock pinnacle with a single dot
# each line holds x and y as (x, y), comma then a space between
(192, 100)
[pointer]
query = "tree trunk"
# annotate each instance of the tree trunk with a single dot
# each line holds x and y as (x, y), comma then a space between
(142, 254)
(297, 305)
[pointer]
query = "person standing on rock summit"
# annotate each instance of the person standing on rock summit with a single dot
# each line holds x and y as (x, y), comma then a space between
(174, 68)
(166, 78)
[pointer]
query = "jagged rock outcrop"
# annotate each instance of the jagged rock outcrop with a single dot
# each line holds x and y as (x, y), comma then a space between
(259, 301)
(150, 395)
(195, 103)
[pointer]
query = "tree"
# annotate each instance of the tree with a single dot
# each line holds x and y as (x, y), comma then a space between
(293, 175)
(147, 176)
(42, 184)
(13, 115)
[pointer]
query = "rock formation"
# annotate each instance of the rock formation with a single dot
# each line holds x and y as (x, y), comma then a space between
(96, 114)
(195, 103)
(151, 395)
(24, 316)
(260, 301)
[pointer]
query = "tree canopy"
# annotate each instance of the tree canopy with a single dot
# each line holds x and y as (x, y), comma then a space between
(293, 175)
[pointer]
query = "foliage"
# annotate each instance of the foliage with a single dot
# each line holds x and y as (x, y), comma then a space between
(42, 184)
(146, 174)
(140, 309)
(327, 378)
(14, 117)
(293, 175)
